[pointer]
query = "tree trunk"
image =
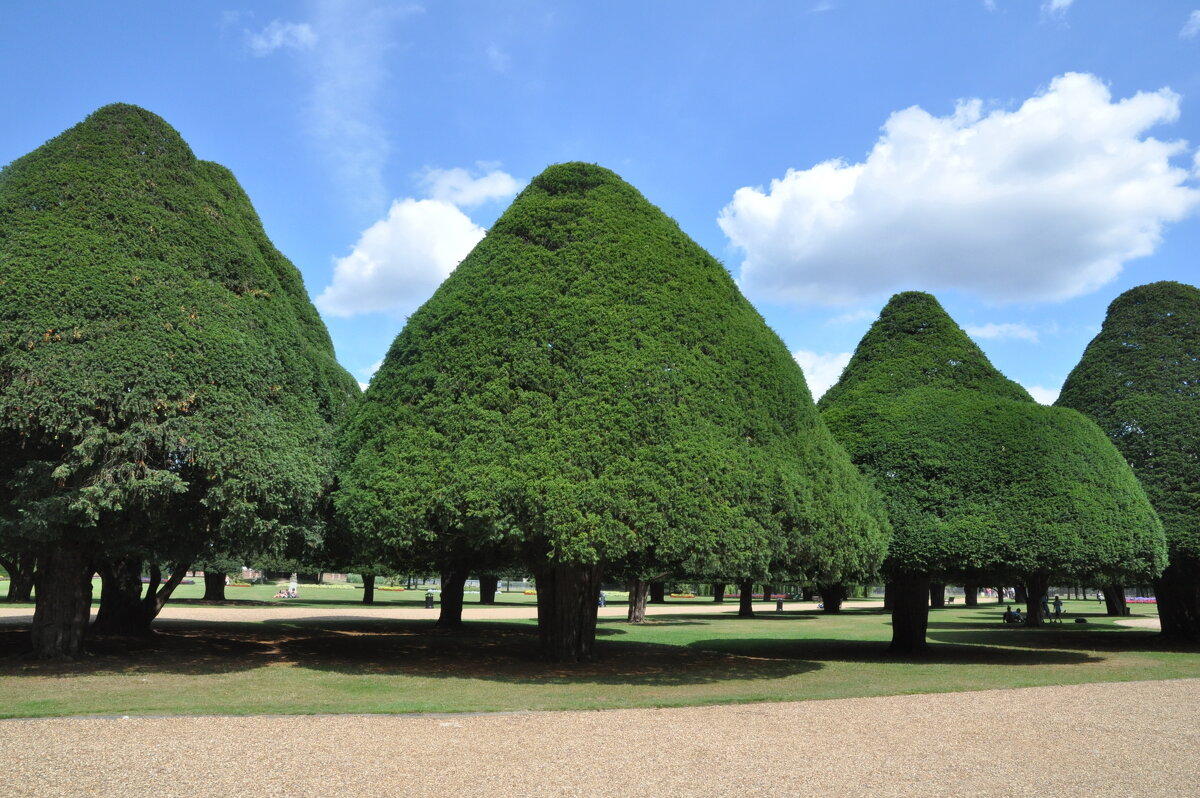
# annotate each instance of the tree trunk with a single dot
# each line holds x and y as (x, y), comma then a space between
(910, 614)
(658, 593)
(453, 583)
(937, 595)
(971, 594)
(121, 610)
(832, 596)
(567, 598)
(1037, 586)
(214, 586)
(639, 589)
(64, 602)
(718, 592)
(1114, 601)
(368, 588)
(889, 596)
(20, 569)
(1020, 594)
(746, 599)
(159, 592)
(999, 595)
(1178, 595)
(487, 588)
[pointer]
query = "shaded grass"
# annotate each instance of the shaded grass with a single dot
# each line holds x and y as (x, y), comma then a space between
(311, 666)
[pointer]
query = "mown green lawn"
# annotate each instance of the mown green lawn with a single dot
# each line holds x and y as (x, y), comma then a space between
(302, 667)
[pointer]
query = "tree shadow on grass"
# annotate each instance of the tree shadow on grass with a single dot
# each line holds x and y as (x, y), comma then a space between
(507, 652)
(955, 652)
(489, 650)
(198, 650)
(1093, 637)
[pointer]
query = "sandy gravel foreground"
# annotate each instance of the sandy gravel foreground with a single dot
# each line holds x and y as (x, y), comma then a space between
(1097, 740)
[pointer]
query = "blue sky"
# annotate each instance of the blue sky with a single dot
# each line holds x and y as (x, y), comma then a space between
(1024, 160)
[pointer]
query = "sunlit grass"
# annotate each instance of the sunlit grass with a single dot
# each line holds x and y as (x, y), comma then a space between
(384, 666)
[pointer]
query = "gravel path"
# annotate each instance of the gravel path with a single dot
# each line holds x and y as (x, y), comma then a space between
(1097, 740)
(282, 611)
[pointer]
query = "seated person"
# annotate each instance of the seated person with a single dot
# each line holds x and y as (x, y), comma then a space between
(1017, 617)
(1008, 614)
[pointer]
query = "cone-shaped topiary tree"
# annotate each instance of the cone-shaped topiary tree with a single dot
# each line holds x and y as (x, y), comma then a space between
(1139, 379)
(589, 388)
(164, 379)
(979, 481)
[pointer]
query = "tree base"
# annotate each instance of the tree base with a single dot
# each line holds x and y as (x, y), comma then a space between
(910, 615)
(567, 599)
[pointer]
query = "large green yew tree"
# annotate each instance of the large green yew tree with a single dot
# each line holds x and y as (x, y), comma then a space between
(1139, 379)
(589, 388)
(164, 380)
(981, 483)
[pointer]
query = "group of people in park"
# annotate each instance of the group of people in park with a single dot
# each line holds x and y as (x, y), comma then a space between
(290, 591)
(1013, 615)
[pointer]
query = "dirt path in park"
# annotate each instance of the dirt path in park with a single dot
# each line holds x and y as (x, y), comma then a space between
(1096, 740)
(282, 611)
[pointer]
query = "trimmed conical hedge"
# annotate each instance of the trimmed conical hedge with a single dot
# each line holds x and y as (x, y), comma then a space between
(1139, 379)
(979, 481)
(155, 348)
(589, 387)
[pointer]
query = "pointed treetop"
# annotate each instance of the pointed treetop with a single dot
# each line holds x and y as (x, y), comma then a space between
(143, 301)
(592, 379)
(915, 344)
(1139, 379)
(975, 474)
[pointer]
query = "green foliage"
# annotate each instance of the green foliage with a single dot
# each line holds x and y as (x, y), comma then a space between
(1139, 379)
(158, 357)
(590, 386)
(978, 479)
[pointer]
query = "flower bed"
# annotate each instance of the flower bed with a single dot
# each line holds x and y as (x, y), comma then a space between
(683, 595)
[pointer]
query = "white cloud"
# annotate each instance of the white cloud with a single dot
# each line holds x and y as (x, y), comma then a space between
(1191, 27)
(821, 371)
(1056, 8)
(1045, 396)
(459, 187)
(348, 72)
(280, 35)
(854, 316)
(369, 372)
(400, 261)
(1045, 202)
(1006, 331)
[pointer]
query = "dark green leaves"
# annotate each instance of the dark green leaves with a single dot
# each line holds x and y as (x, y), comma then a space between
(1139, 379)
(978, 479)
(589, 385)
